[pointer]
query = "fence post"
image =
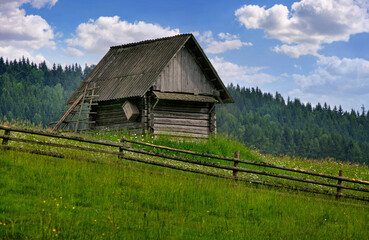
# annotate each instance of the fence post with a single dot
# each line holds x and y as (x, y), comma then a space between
(339, 190)
(120, 148)
(236, 156)
(5, 140)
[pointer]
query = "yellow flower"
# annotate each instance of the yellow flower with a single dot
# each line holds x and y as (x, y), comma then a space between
(61, 197)
(57, 204)
(44, 201)
(73, 207)
(54, 230)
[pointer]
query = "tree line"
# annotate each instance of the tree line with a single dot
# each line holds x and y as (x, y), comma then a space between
(34, 92)
(267, 122)
(276, 126)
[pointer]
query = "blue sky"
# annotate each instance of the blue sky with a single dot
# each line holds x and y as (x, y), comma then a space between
(314, 50)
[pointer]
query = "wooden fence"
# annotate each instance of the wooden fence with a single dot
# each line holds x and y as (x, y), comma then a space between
(125, 146)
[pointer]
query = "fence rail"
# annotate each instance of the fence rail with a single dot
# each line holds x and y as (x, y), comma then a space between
(125, 145)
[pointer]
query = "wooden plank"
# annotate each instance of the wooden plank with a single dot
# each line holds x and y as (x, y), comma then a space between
(183, 74)
(240, 169)
(180, 128)
(185, 122)
(105, 106)
(188, 170)
(255, 163)
(180, 134)
(128, 125)
(182, 115)
(67, 113)
(47, 134)
(178, 103)
(181, 109)
(109, 116)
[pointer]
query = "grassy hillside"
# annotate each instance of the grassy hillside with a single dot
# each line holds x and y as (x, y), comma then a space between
(44, 198)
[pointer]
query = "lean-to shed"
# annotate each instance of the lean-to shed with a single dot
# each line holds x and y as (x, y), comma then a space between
(164, 86)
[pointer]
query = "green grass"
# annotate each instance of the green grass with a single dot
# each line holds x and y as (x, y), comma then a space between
(45, 198)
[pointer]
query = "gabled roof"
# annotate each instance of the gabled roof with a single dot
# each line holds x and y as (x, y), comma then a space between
(130, 70)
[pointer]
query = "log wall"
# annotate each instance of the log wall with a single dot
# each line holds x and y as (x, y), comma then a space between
(167, 117)
(111, 115)
(184, 119)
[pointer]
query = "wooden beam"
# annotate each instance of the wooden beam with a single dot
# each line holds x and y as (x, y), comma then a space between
(67, 113)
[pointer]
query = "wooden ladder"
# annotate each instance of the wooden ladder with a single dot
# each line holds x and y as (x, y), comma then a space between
(82, 105)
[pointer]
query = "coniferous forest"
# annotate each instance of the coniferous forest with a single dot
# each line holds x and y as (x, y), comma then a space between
(35, 92)
(261, 120)
(276, 126)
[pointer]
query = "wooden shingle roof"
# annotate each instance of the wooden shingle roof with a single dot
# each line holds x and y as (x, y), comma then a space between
(130, 70)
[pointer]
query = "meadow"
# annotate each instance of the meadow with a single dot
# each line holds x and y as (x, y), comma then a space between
(44, 198)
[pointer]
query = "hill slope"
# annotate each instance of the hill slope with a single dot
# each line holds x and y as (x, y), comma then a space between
(44, 197)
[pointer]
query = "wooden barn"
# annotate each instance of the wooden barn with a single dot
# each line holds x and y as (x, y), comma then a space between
(164, 86)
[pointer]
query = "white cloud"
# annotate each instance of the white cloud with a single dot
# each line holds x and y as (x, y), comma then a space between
(12, 53)
(23, 33)
(73, 51)
(309, 24)
(230, 42)
(96, 36)
(336, 76)
(233, 73)
(339, 81)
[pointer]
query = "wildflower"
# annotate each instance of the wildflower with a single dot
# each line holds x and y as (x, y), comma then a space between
(44, 201)
(73, 207)
(54, 230)
(57, 204)
(61, 197)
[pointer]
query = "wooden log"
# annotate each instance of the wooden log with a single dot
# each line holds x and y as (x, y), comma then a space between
(244, 179)
(67, 113)
(111, 121)
(239, 169)
(236, 156)
(339, 189)
(185, 122)
(182, 115)
(181, 134)
(50, 144)
(114, 112)
(50, 154)
(179, 103)
(194, 171)
(47, 134)
(263, 164)
(120, 148)
(182, 109)
(180, 128)
(80, 110)
(131, 129)
(6, 137)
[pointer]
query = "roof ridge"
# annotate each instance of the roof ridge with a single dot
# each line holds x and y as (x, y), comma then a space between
(150, 40)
